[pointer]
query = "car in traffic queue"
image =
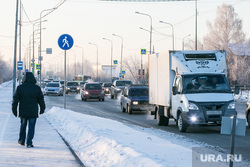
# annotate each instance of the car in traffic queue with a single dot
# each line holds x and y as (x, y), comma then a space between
(72, 86)
(248, 112)
(135, 98)
(82, 83)
(118, 86)
(92, 91)
(53, 88)
(106, 87)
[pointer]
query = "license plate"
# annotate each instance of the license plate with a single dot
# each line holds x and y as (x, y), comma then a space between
(214, 112)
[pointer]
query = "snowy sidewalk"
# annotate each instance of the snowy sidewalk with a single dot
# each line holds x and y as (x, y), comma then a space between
(49, 149)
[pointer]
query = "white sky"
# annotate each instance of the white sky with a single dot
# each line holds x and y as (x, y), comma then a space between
(91, 20)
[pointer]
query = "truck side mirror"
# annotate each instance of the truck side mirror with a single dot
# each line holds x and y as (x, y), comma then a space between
(175, 90)
(237, 90)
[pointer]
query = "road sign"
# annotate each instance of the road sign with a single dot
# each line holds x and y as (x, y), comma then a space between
(65, 42)
(115, 62)
(143, 51)
(19, 65)
(38, 67)
(123, 72)
(48, 50)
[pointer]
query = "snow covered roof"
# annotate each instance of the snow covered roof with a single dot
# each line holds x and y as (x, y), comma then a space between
(242, 49)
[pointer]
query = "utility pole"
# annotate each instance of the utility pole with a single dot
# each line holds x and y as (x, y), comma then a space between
(15, 46)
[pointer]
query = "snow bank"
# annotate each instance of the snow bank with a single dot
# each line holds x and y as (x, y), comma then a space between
(103, 142)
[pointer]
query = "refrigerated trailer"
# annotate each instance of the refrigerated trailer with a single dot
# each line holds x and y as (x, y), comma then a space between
(191, 87)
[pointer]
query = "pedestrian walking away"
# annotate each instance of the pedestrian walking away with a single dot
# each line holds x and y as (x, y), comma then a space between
(27, 97)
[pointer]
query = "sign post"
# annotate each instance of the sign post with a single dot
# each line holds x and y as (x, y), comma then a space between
(143, 52)
(65, 42)
(233, 126)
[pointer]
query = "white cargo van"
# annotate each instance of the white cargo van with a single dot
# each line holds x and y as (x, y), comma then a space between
(190, 87)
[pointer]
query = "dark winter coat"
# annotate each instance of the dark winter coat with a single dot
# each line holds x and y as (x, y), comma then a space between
(28, 95)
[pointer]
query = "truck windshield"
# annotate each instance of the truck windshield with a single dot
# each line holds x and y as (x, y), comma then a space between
(205, 84)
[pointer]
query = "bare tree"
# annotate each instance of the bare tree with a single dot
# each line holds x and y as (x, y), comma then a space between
(132, 65)
(227, 29)
(5, 71)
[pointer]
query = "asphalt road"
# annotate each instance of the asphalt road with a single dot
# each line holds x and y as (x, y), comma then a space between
(110, 109)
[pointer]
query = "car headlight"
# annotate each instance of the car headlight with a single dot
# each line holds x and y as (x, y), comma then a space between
(231, 106)
(193, 106)
(107, 89)
(77, 88)
(86, 93)
(135, 102)
(118, 89)
(193, 118)
(68, 88)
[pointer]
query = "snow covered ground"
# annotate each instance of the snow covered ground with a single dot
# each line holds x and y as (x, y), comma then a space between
(104, 142)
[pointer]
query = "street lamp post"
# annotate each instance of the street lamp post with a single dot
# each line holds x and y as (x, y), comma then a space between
(172, 31)
(96, 59)
(150, 43)
(40, 48)
(121, 51)
(183, 41)
(82, 56)
(111, 54)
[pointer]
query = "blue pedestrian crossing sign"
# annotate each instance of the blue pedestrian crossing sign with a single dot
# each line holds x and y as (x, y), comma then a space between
(19, 65)
(115, 62)
(143, 51)
(38, 67)
(123, 72)
(65, 41)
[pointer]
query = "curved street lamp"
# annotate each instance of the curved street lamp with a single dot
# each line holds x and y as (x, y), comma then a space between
(111, 54)
(172, 31)
(150, 42)
(121, 50)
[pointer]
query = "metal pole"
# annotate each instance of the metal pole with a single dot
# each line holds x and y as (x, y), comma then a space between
(232, 142)
(64, 89)
(15, 45)
(196, 24)
(97, 59)
(111, 55)
(172, 31)
(121, 50)
(33, 59)
(40, 51)
(150, 41)
(20, 42)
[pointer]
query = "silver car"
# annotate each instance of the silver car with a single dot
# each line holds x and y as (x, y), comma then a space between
(53, 88)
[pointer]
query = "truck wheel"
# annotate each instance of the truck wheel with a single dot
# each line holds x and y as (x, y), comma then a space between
(129, 110)
(166, 121)
(160, 119)
(182, 125)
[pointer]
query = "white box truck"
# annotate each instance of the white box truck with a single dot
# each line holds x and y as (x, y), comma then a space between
(190, 87)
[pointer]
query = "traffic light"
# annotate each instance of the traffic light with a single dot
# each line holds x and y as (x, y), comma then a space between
(139, 76)
(143, 72)
(38, 72)
(139, 72)
(23, 73)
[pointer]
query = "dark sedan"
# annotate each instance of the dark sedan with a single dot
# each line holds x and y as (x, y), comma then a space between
(135, 98)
